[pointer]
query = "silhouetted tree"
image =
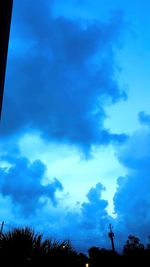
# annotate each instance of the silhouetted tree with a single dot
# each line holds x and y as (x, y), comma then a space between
(82, 260)
(148, 244)
(94, 256)
(22, 247)
(61, 254)
(99, 255)
(133, 247)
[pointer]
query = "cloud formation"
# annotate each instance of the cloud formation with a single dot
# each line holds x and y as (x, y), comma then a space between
(132, 199)
(22, 181)
(94, 211)
(61, 75)
(88, 225)
(85, 225)
(144, 118)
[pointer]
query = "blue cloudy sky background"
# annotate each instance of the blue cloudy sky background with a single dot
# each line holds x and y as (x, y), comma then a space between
(75, 128)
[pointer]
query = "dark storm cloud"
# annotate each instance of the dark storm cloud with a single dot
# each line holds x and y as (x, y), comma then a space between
(132, 199)
(22, 182)
(61, 74)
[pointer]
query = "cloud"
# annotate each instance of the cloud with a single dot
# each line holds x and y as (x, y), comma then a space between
(61, 75)
(89, 224)
(144, 118)
(94, 211)
(132, 199)
(85, 225)
(135, 153)
(22, 181)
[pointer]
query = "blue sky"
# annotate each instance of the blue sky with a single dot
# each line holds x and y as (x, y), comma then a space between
(74, 135)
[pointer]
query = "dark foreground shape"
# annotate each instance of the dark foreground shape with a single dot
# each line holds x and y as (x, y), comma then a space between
(5, 21)
(23, 248)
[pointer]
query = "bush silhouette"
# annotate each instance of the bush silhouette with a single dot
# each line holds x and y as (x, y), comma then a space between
(99, 255)
(22, 247)
(133, 247)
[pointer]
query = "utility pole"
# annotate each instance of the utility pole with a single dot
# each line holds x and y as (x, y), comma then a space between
(5, 22)
(2, 225)
(111, 236)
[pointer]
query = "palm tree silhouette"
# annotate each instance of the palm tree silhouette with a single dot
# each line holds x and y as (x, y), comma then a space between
(22, 247)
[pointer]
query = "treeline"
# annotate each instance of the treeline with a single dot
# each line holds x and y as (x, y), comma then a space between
(22, 247)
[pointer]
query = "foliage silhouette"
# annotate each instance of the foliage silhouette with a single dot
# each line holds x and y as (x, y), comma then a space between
(97, 256)
(133, 247)
(22, 247)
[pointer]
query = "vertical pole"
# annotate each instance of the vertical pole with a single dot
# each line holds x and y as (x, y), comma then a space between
(2, 225)
(5, 21)
(111, 236)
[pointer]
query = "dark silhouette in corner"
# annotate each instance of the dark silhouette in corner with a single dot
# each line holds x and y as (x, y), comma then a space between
(5, 21)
